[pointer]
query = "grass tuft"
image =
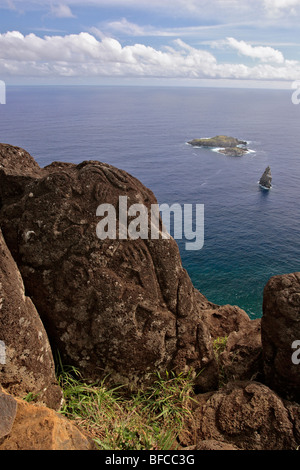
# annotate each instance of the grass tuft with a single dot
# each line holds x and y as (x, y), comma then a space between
(150, 419)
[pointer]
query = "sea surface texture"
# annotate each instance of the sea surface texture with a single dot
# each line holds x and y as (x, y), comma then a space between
(250, 234)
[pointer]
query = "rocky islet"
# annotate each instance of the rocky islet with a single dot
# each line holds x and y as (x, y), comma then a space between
(266, 179)
(230, 146)
(233, 147)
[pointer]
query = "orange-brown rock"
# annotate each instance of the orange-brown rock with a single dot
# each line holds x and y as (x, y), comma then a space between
(40, 428)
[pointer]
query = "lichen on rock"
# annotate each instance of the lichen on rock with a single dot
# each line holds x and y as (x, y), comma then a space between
(116, 308)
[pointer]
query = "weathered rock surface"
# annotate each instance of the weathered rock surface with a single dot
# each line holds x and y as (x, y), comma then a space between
(280, 329)
(234, 151)
(33, 427)
(266, 179)
(294, 416)
(249, 416)
(125, 308)
(242, 357)
(222, 141)
(27, 365)
(214, 445)
(223, 320)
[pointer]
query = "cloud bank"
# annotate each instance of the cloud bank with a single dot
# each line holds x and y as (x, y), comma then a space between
(83, 55)
(265, 54)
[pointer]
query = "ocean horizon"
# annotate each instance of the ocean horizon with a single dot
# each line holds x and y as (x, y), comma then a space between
(250, 234)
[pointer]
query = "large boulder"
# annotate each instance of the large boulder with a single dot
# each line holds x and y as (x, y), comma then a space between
(249, 416)
(27, 364)
(280, 330)
(118, 308)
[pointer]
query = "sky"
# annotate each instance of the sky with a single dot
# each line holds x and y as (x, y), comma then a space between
(238, 43)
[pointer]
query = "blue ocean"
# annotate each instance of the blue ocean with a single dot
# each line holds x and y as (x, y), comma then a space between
(250, 234)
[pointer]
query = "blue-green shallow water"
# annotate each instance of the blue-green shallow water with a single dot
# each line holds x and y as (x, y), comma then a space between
(250, 234)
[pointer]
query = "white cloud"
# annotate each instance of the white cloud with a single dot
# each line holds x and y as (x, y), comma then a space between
(277, 8)
(83, 55)
(126, 27)
(263, 53)
(61, 11)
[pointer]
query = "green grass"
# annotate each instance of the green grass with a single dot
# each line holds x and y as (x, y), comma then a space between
(31, 397)
(219, 345)
(150, 419)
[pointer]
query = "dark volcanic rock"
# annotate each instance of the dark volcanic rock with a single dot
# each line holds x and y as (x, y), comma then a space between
(266, 179)
(123, 308)
(234, 151)
(280, 329)
(28, 365)
(249, 416)
(225, 319)
(242, 357)
(221, 141)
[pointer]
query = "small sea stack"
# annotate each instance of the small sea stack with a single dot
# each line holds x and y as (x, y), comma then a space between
(266, 179)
